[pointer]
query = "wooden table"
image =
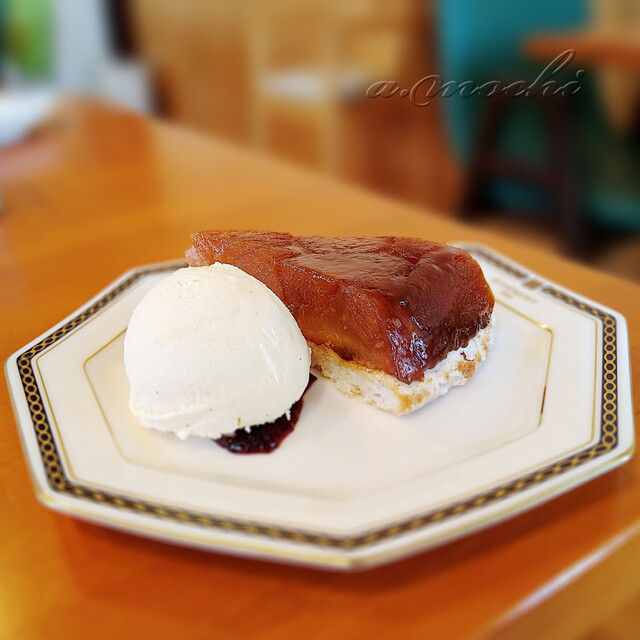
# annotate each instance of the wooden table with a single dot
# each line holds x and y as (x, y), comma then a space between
(601, 47)
(614, 54)
(106, 191)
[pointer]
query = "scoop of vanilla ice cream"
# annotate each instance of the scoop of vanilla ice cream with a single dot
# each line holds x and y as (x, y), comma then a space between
(211, 349)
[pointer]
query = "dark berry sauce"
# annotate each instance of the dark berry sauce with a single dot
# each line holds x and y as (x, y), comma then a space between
(264, 438)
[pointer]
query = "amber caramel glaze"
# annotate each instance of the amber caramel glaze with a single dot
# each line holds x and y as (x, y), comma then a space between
(399, 305)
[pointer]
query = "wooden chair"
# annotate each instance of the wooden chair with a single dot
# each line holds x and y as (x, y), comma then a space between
(307, 61)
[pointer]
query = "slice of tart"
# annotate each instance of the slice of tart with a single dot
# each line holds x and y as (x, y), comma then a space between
(397, 321)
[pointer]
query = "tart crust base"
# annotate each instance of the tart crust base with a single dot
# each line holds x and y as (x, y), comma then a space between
(388, 393)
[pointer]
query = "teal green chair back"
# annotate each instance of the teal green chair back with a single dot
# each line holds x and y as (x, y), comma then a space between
(482, 40)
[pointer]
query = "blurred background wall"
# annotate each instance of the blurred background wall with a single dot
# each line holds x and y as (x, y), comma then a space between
(292, 78)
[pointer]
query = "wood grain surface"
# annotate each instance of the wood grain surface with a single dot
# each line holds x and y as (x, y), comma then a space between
(101, 191)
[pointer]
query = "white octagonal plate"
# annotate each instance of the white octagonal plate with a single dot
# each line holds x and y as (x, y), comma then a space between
(352, 487)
